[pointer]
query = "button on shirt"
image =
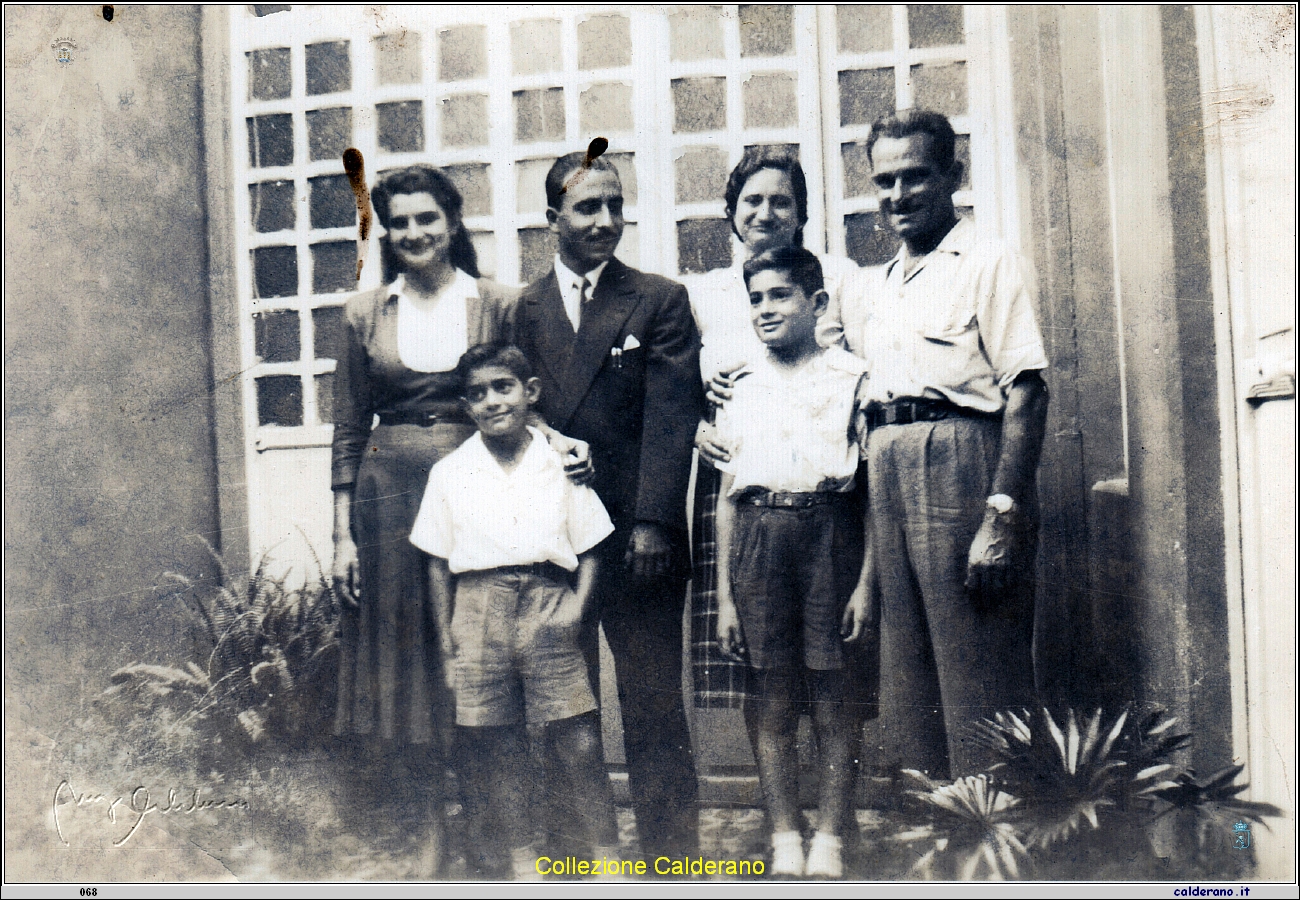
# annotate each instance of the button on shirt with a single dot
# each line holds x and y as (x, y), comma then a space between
(959, 327)
(571, 288)
(477, 516)
(791, 430)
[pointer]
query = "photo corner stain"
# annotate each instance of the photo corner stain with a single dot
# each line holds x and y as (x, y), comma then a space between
(107, 13)
(597, 146)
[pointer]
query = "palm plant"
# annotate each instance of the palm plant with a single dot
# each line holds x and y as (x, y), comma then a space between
(972, 832)
(264, 673)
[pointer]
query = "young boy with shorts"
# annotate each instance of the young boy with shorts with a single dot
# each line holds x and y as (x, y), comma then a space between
(512, 574)
(784, 576)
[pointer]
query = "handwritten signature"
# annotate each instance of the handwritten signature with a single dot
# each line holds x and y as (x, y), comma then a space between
(139, 804)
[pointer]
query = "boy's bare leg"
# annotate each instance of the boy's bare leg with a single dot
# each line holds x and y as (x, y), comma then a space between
(835, 744)
(770, 719)
(500, 755)
(575, 744)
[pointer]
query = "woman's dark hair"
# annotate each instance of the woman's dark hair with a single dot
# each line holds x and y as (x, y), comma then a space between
(423, 179)
(754, 160)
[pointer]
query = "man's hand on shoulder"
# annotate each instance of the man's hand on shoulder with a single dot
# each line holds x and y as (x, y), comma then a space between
(649, 552)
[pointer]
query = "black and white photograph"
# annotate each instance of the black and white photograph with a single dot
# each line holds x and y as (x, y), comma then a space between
(650, 444)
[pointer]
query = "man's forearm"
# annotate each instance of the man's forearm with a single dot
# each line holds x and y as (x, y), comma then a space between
(724, 525)
(1024, 424)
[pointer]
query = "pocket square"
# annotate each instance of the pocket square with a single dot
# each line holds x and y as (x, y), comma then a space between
(631, 343)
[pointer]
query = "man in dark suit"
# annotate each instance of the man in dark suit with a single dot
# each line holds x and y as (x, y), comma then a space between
(617, 352)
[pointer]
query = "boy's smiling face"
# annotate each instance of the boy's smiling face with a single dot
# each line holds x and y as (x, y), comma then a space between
(784, 316)
(499, 402)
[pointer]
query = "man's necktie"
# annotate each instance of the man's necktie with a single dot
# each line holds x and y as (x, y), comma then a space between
(584, 294)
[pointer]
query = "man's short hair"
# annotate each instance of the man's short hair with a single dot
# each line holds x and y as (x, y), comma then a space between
(907, 122)
(566, 165)
(493, 354)
(799, 263)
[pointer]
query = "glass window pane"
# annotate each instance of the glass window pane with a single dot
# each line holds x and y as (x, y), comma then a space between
(325, 398)
(864, 28)
(462, 53)
(857, 170)
(941, 87)
(397, 58)
(329, 132)
(275, 336)
(536, 253)
(330, 325)
(701, 174)
(530, 190)
(401, 126)
(328, 68)
(535, 46)
(962, 152)
(485, 248)
(703, 245)
(868, 240)
(779, 151)
(699, 104)
(604, 42)
(279, 400)
(625, 163)
(333, 267)
(465, 120)
(275, 272)
(629, 248)
(935, 25)
(766, 30)
(271, 203)
(474, 181)
(270, 140)
(770, 101)
(696, 33)
(269, 76)
(603, 108)
(539, 115)
(269, 9)
(332, 202)
(866, 95)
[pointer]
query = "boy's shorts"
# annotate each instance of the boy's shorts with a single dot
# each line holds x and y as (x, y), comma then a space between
(512, 665)
(792, 573)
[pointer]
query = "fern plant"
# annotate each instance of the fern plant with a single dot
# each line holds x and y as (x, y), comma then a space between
(266, 665)
(972, 832)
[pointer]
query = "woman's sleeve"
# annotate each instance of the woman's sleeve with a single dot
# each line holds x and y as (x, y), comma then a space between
(353, 403)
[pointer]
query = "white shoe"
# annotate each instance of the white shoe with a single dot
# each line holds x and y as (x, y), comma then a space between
(825, 856)
(787, 854)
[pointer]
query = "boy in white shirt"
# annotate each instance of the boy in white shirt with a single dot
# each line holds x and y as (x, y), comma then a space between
(512, 577)
(784, 524)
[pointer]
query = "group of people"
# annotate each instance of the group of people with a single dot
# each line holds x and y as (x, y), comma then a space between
(511, 474)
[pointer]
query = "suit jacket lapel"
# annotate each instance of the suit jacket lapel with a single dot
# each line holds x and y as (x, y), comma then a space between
(549, 325)
(602, 320)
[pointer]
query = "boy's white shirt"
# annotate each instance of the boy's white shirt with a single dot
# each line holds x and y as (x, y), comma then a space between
(789, 430)
(477, 516)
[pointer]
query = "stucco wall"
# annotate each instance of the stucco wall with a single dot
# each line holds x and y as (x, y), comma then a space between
(109, 452)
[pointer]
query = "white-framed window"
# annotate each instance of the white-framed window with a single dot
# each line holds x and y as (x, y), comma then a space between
(493, 94)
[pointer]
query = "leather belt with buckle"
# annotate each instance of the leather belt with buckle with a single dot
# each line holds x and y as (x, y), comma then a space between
(423, 419)
(780, 500)
(905, 412)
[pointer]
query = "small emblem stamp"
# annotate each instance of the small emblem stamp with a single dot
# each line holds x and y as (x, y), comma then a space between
(63, 48)
(1242, 831)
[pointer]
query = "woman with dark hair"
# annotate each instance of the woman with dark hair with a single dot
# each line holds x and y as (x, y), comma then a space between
(397, 411)
(767, 205)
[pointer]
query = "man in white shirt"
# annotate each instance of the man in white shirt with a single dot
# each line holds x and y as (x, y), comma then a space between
(955, 422)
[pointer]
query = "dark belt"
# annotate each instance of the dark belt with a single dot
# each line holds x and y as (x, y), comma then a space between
(780, 500)
(905, 412)
(548, 570)
(423, 419)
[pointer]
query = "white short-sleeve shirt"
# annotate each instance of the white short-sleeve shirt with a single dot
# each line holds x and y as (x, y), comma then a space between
(791, 430)
(959, 327)
(477, 516)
